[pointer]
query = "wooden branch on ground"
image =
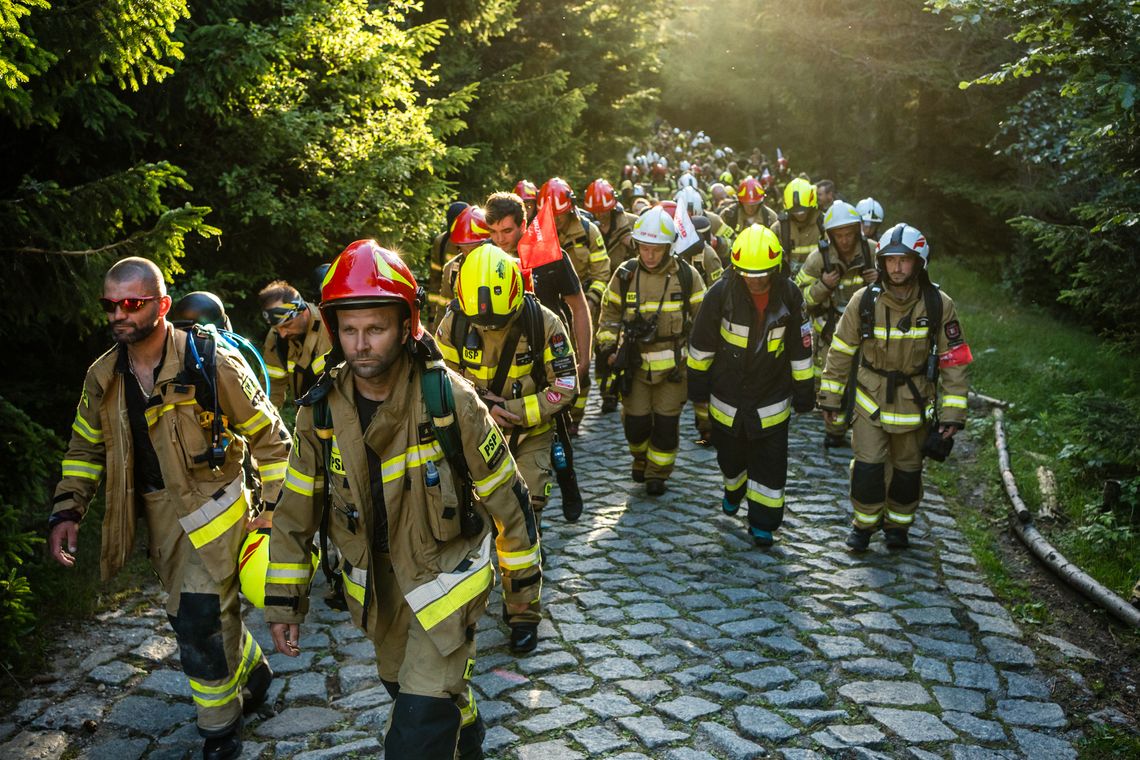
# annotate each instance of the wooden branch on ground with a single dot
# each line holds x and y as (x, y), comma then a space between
(1047, 484)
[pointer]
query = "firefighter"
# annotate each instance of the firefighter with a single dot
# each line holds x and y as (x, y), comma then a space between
(468, 232)
(904, 337)
(643, 333)
(614, 223)
(832, 273)
(749, 365)
(443, 250)
(871, 212)
(413, 447)
(296, 344)
(798, 226)
(520, 359)
(582, 240)
(168, 415)
(749, 208)
(528, 193)
(825, 194)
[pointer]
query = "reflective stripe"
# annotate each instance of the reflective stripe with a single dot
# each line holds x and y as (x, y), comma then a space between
(487, 485)
(520, 560)
(355, 582)
(734, 483)
(841, 347)
(253, 424)
(533, 412)
(480, 372)
(272, 472)
(722, 412)
(275, 372)
(865, 402)
(761, 494)
(699, 365)
(580, 401)
(297, 481)
(470, 711)
(666, 307)
(215, 696)
(292, 365)
(154, 412)
(639, 448)
(914, 333)
(75, 468)
(661, 458)
(613, 297)
(318, 365)
(435, 601)
(599, 255)
(605, 336)
(733, 333)
(217, 515)
(597, 286)
(901, 519)
(901, 420)
(954, 402)
(802, 369)
(832, 386)
(696, 298)
(449, 353)
(865, 519)
(774, 414)
(413, 457)
(288, 573)
(80, 426)
(658, 360)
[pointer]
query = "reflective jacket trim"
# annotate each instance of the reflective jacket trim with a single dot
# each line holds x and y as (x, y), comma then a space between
(954, 402)
(776, 340)
(661, 458)
(75, 468)
(533, 411)
(253, 424)
(318, 365)
(272, 472)
(435, 601)
(802, 369)
(154, 412)
(831, 386)
(865, 402)
(275, 372)
(355, 582)
(899, 518)
(668, 306)
(217, 515)
(733, 333)
(761, 494)
(215, 696)
(289, 573)
(520, 560)
(412, 458)
(841, 347)
(700, 360)
(80, 426)
(900, 420)
(487, 486)
(299, 482)
(613, 297)
(656, 361)
(734, 483)
(721, 412)
(774, 414)
(914, 333)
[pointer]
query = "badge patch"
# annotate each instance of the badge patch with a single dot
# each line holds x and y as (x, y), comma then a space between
(566, 383)
(553, 396)
(953, 332)
(250, 388)
(472, 355)
(492, 446)
(558, 345)
(563, 364)
(425, 433)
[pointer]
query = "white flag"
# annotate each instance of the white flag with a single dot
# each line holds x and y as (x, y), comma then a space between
(686, 232)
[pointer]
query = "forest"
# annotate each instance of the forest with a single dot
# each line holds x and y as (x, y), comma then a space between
(238, 141)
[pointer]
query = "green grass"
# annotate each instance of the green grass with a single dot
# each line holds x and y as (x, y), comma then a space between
(1068, 388)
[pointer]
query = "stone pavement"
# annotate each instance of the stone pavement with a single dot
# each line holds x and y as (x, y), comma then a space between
(667, 636)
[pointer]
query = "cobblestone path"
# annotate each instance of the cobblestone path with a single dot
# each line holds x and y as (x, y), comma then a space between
(667, 636)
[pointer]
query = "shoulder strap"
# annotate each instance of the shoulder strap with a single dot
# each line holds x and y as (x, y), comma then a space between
(867, 311)
(625, 276)
(933, 298)
(506, 357)
(536, 339)
(460, 325)
(440, 402)
(201, 361)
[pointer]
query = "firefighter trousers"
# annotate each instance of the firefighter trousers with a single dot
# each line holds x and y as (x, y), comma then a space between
(651, 416)
(434, 716)
(878, 452)
(756, 470)
(216, 650)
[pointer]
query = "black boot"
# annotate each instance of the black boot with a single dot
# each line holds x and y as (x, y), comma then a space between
(859, 540)
(256, 687)
(524, 637)
(655, 486)
(835, 441)
(226, 746)
(609, 404)
(895, 538)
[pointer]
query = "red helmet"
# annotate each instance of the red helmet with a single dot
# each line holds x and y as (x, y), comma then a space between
(526, 190)
(627, 171)
(470, 227)
(695, 169)
(669, 207)
(558, 192)
(600, 196)
(365, 274)
(751, 190)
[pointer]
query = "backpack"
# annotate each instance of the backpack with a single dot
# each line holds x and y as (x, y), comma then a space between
(626, 271)
(932, 298)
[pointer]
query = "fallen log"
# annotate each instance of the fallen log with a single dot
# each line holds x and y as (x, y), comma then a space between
(1047, 484)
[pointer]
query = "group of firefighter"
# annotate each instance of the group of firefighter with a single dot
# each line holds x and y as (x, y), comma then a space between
(433, 423)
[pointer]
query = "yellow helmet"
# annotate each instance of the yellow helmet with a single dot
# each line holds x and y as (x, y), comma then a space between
(757, 251)
(490, 286)
(799, 194)
(253, 565)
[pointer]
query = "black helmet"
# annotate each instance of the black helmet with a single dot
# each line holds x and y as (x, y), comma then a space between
(199, 308)
(319, 279)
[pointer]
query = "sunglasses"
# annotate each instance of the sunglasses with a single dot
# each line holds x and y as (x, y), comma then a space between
(128, 305)
(281, 314)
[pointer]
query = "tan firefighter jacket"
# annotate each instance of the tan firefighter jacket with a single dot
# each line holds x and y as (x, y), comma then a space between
(303, 360)
(801, 240)
(618, 238)
(444, 576)
(584, 243)
(821, 301)
(636, 296)
(442, 251)
(208, 502)
(902, 351)
(477, 358)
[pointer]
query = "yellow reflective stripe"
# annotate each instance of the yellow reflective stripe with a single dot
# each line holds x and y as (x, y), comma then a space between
(355, 582)
(435, 601)
(832, 386)
(914, 333)
(733, 333)
(216, 516)
(954, 402)
(605, 337)
(865, 402)
(901, 519)
(658, 360)
(902, 420)
(639, 448)
(272, 472)
(297, 481)
(599, 255)
(580, 401)
(547, 355)
(776, 346)
(647, 306)
(449, 353)
(661, 458)
(253, 424)
(488, 373)
(413, 457)
(154, 412)
(699, 364)
(520, 560)
(841, 347)
(774, 414)
(612, 297)
(470, 711)
(80, 426)
(275, 372)
(804, 374)
(761, 494)
(722, 412)
(597, 286)
(733, 483)
(865, 519)
(215, 696)
(696, 298)
(318, 365)
(289, 573)
(487, 485)
(292, 365)
(533, 413)
(75, 468)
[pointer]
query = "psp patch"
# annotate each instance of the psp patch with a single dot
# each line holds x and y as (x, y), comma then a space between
(953, 332)
(492, 449)
(558, 345)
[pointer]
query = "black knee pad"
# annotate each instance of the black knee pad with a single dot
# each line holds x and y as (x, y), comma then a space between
(868, 484)
(198, 628)
(637, 427)
(906, 486)
(423, 728)
(666, 434)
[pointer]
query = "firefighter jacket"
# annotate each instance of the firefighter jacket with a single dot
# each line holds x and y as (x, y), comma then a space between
(799, 239)
(476, 356)
(443, 575)
(892, 362)
(734, 221)
(587, 250)
(649, 311)
(208, 501)
(447, 280)
(296, 364)
(824, 303)
(705, 261)
(751, 379)
(442, 251)
(619, 237)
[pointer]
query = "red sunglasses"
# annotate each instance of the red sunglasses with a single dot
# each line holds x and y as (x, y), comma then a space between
(128, 305)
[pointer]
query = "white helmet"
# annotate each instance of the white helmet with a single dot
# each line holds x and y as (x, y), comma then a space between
(684, 165)
(663, 161)
(901, 240)
(718, 153)
(655, 226)
(686, 180)
(841, 214)
(691, 197)
(870, 210)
